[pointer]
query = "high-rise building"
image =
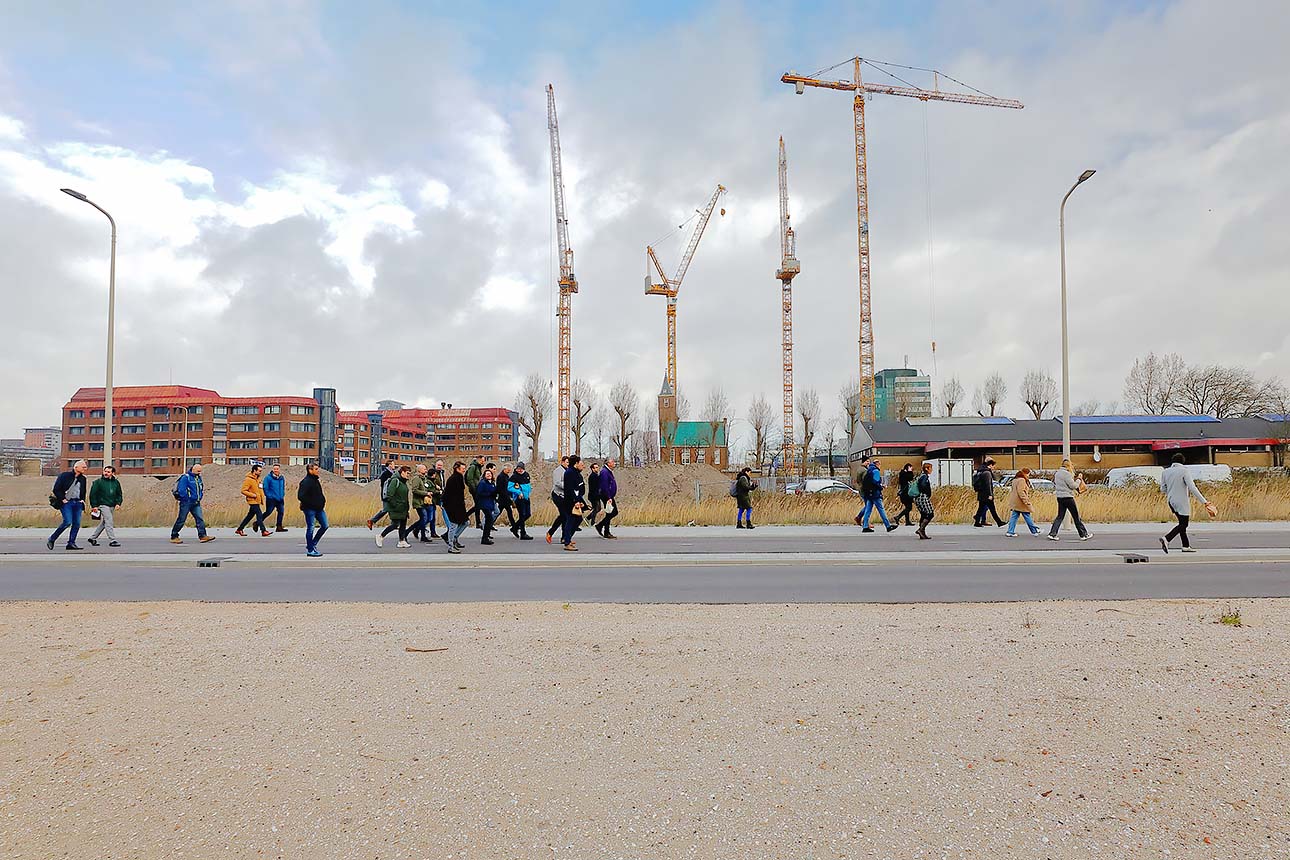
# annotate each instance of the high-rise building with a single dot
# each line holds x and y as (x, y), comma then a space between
(900, 393)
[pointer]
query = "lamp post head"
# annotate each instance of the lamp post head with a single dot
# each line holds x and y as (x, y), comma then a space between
(1086, 175)
(72, 193)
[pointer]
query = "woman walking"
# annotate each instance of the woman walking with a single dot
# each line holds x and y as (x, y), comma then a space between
(520, 486)
(486, 499)
(923, 501)
(1068, 485)
(397, 506)
(906, 477)
(254, 495)
(743, 498)
(1019, 501)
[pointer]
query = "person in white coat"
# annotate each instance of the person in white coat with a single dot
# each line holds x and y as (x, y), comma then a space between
(1179, 486)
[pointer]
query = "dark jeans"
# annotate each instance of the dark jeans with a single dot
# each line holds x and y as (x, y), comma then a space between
(509, 510)
(1180, 530)
(379, 515)
(983, 507)
(312, 537)
(525, 510)
(253, 513)
(571, 523)
(401, 526)
(596, 507)
(490, 517)
(425, 519)
(72, 512)
(270, 505)
(474, 508)
(1064, 505)
(608, 518)
(558, 522)
(906, 510)
(186, 508)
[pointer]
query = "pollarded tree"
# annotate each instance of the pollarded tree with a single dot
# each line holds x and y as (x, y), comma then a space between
(849, 400)
(1152, 386)
(533, 403)
(808, 410)
(1038, 391)
(763, 421)
(585, 399)
(714, 415)
(951, 395)
(993, 391)
(625, 402)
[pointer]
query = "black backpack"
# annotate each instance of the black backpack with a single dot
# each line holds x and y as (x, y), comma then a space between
(867, 483)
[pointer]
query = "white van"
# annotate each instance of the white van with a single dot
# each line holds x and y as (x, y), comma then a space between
(1126, 476)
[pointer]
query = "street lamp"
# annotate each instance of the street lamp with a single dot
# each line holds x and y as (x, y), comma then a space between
(1066, 357)
(111, 328)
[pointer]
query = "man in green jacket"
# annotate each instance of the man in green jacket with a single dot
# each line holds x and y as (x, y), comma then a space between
(397, 505)
(474, 472)
(105, 497)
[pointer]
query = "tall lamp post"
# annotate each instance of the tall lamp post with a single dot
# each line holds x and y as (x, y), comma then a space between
(1066, 355)
(111, 328)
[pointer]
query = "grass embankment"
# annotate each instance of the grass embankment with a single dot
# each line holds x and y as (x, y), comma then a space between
(1251, 499)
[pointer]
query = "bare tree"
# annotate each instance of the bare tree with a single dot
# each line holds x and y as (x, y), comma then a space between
(714, 415)
(808, 410)
(978, 402)
(763, 421)
(533, 402)
(682, 407)
(993, 391)
(584, 398)
(1038, 391)
(1225, 392)
(625, 403)
(832, 437)
(1152, 386)
(1088, 407)
(600, 422)
(951, 395)
(849, 399)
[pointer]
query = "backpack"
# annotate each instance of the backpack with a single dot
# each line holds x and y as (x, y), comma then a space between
(911, 489)
(734, 488)
(981, 482)
(174, 491)
(867, 483)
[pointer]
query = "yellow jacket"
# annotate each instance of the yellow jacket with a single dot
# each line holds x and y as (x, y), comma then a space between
(251, 490)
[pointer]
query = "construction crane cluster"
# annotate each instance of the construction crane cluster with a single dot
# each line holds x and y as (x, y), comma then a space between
(789, 267)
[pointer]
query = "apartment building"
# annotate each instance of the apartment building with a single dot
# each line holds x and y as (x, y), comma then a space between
(422, 434)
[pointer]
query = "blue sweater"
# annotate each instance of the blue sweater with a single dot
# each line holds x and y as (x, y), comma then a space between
(275, 489)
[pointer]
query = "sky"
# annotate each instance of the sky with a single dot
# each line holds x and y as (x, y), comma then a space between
(359, 195)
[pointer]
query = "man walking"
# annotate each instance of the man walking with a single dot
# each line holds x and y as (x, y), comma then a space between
(505, 504)
(574, 501)
(473, 474)
(383, 478)
(456, 501)
(983, 484)
(593, 494)
(69, 497)
(1179, 486)
(557, 497)
(189, 492)
(521, 485)
(609, 498)
(105, 497)
(254, 495)
(312, 504)
(871, 492)
(275, 494)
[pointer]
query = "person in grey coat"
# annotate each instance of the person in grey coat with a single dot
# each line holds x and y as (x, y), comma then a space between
(1068, 486)
(1178, 486)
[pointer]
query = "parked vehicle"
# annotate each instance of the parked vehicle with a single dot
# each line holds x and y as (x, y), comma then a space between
(820, 485)
(1126, 476)
(1043, 485)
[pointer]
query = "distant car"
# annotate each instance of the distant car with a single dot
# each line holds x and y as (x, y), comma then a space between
(820, 485)
(1041, 484)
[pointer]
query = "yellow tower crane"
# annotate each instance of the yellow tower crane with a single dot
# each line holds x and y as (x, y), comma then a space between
(860, 89)
(788, 269)
(568, 284)
(670, 286)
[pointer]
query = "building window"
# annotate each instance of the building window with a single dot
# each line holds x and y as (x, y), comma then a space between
(302, 410)
(133, 429)
(132, 464)
(244, 428)
(242, 444)
(75, 431)
(300, 427)
(160, 462)
(131, 446)
(96, 430)
(76, 413)
(703, 456)
(195, 444)
(133, 413)
(160, 444)
(96, 446)
(239, 461)
(194, 428)
(218, 410)
(76, 446)
(271, 443)
(246, 410)
(272, 426)
(303, 444)
(219, 447)
(161, 410)
(197, 410)
(96, 413)
(160, 428)
(685, 456)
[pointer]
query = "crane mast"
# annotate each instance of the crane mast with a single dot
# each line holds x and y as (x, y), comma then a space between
(859, 88)
(669, 287)
(788, 269)
(568, 284)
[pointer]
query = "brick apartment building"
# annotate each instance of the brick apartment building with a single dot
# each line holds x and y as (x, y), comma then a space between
(159, 430)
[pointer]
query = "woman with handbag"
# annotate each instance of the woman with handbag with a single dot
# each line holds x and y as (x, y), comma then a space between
(923, 501)
(1019, 502)
(575, 504)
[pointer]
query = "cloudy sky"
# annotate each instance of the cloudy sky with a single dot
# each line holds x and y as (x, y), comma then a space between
(359, 196)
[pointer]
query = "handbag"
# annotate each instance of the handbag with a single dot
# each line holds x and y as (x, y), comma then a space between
(610, 508)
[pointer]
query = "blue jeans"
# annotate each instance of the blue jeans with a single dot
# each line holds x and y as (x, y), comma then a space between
(453, 534)
(185, 508)
(312, 537)
(270, 505)
(71, 512)
(425, 520)
(571, 523)
(869, 505)
(1025, 515)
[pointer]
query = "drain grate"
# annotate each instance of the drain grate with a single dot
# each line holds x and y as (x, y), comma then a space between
(1134, 558)
(213, 561)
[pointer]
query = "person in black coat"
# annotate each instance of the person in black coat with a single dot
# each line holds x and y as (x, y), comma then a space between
(69, 496)
(312, 502)
(594, 497)
(456, 501)
(574, 501)
(906, 477)
(983, 483)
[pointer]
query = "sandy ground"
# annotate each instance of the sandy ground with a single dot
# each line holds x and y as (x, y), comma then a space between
(1052, 730)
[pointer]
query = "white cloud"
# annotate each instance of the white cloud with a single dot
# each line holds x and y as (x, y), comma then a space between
(11, 128)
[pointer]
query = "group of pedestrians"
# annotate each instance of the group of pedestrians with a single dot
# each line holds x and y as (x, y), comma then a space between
(70, 497)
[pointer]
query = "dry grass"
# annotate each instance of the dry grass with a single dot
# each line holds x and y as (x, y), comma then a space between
(1249, 499)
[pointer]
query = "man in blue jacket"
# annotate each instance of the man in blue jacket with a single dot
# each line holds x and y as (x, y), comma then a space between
(189, 492)
(275, 494)
(871, 492)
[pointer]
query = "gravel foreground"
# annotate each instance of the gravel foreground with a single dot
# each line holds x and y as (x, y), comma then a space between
(1041, 730)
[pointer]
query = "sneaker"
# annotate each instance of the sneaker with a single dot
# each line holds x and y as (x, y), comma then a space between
(1087, 536)
(313, 553)
(548, 539)
(369, 525)
(611, 537)
(114, 543)
(239, 532)
(265, 533)
(455, 550)
(91, 541)
(202, 539)
(526, 537)
(1053, 537)
(892, 528)
(1009, 534)
(380, 541)
(1164, 544)
(49, 544)
(458, 545)
(172, 540)
(570, 548)
(1189, 549)
(867, 531)
(403, 545)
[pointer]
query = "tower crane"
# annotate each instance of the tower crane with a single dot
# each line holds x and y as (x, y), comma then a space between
(788, 269)
(860, 90)
(568, 284)
(670, 286)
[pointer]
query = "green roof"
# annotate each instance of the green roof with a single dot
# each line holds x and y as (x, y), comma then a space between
(694, 434)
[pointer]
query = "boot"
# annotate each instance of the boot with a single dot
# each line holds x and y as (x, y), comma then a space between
(739, 524)
(750, 525)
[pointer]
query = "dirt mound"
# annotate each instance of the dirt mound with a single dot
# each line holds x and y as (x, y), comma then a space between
(665, 480)
(223, 485)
